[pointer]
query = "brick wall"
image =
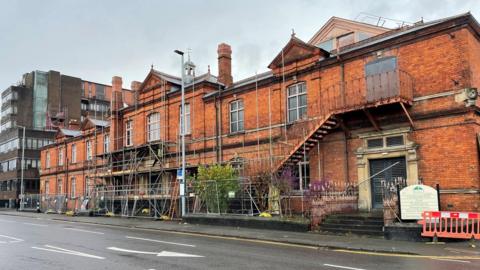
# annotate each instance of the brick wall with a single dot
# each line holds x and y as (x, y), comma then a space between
(445, 130)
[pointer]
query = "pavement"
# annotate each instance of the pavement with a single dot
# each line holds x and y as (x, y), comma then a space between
(351, 243)
(40, 241)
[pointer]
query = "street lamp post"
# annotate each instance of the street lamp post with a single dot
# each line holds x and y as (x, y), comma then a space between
(22, 164)
(182, 131)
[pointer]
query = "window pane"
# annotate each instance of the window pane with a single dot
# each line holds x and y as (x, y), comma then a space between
(240, 115)
(233, 106)
(234, 117)
(326, 45)
(301, 88)
(292, 90)
(240, 126)
(292, 103)
(292, 115)
(394, 141)
(302, 112)
(303, 100)
(233, 127)
(374, 143)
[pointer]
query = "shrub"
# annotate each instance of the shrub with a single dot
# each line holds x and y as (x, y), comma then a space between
(213, 184)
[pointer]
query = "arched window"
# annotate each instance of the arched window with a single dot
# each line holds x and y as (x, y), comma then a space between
(236, 116)
(297, 102)
(153, 127)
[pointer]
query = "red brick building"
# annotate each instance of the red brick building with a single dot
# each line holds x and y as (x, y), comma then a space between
(404, 97)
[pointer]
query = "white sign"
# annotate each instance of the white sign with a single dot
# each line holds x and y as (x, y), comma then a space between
(416, 199)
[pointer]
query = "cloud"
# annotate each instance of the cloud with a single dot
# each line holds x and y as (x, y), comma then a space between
(96, 40)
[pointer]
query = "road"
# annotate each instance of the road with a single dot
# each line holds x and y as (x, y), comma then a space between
(35, 243)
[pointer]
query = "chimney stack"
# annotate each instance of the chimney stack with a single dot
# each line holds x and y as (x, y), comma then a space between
(117, 95)
(116, 126)
(135, 86)
(225, 64)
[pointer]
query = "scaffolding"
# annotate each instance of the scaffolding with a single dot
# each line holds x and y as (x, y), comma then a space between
(140, 180)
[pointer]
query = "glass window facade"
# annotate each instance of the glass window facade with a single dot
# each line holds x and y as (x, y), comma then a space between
(40, 96)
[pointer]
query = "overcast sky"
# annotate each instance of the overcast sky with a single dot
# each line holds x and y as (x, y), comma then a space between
(95, 40)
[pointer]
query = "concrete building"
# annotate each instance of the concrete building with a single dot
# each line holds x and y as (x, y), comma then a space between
(42, 102)
(404, 97)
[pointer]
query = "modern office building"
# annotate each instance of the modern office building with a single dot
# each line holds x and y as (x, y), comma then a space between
(39, 104)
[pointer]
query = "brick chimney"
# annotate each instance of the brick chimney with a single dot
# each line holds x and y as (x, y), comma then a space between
(116, 126)
(117, 96)
(225, 64)
(135, 86)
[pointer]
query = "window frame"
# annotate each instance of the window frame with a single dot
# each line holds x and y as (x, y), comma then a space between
(47, 187)
(88, 150)
(106, 143)
(129, 133)
(188, 120)
(73, 187)
(297, 96)
(47, 160)
(237, 111)
(73, 157)
(153, 127)
(59, 186)
(60, 156)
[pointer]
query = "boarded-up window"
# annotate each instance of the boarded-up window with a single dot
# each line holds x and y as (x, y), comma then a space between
(381, 79)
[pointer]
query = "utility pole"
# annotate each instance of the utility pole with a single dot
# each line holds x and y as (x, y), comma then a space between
(182, 131)
(22, 164)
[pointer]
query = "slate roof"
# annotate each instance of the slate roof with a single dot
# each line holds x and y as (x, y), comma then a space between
(99, 123)
(70, 132)
(395, 33)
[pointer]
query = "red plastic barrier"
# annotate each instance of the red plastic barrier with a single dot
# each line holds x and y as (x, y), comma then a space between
(462, 225)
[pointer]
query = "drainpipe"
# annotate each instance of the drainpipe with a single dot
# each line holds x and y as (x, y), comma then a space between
(216, 131)
(345, 139)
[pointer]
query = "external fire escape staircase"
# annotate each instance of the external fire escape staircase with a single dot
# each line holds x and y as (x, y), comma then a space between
(308, 142)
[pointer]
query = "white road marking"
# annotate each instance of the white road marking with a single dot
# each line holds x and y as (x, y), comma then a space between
(12, 239)
(177, 254)
(452, 260)
(35, 224)
(66, 251)
(132, 251)
(342, 267)
(159, 241)
(80, 230)
(158, 254)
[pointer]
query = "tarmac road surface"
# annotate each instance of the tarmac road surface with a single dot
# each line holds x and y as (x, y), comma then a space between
(35, 243)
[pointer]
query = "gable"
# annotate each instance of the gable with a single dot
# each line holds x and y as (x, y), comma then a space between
(336, 27)
(296, 50)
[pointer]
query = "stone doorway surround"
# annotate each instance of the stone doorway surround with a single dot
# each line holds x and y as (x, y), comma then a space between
(364, 154)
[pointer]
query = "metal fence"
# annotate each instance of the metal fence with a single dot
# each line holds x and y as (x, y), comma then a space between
(32, 202)
(148, 201)
(53, 203)
(230, 196)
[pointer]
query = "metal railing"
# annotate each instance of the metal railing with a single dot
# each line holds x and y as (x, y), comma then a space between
(365, 91)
